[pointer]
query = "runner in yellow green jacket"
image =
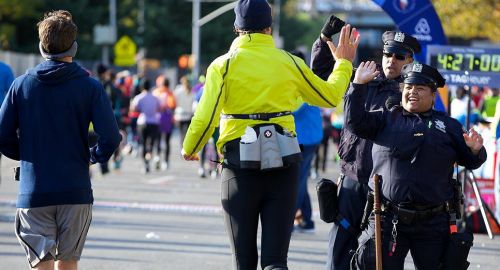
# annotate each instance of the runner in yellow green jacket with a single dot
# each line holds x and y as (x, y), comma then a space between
(253, 89)
(256, 77)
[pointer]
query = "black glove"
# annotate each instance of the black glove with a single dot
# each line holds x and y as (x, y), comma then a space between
(332, 26)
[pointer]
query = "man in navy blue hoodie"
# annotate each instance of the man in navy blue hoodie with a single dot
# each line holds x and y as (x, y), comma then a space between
(44, 122)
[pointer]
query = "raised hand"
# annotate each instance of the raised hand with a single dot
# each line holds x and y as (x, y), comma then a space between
(188, 157)
(474, 141)
(332, 26)
(348, 44)
(366, 72)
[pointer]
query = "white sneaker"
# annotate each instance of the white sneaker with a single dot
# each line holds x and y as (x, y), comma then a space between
(201, 173)
(156, 162)
(164, 166)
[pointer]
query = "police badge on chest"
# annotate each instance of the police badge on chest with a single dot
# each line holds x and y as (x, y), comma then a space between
(440, 126)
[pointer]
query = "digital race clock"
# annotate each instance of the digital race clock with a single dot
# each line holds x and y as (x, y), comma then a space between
(466, 65)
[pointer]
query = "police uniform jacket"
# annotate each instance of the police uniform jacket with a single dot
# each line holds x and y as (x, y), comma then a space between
(256, 77)
(355, 152)
(414, 153)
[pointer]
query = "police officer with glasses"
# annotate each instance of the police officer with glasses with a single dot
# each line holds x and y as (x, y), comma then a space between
(414, 151)
(355, 152)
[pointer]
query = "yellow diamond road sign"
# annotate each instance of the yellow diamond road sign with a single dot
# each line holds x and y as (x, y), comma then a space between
(125, 50)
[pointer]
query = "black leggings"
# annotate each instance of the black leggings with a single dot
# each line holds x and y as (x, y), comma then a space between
(149, 133)
(183, 128)
(167, 144)
(250, 194)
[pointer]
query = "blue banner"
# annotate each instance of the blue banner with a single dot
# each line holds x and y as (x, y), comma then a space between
(419, 19)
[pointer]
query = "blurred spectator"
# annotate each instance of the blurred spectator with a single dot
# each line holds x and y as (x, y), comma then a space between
(459, 105)
(477, 96)
(308, 126)
(490, 102)
(184, 110)
(6, 78)
(199, 85)
(148, 122)
(321, 159)
(496, 129)
(107, 77)
(208, 154)
(168, 104)
(133, 135)
(483, 127)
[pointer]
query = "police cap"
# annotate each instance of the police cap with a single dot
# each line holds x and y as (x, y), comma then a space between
(422, 74)
(401, 43)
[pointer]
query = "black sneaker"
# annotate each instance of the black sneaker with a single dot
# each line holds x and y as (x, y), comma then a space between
(146, 168)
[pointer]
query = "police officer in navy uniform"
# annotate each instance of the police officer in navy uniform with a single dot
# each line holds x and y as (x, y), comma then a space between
(414, 151)
(355, 152)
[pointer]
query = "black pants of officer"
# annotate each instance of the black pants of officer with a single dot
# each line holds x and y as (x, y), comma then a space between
(342, 244)
(248, 195)
(425, 240)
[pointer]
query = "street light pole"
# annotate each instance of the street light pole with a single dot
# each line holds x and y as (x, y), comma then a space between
(112, 24)
(195, 45)
(196, 24)
(276, 19)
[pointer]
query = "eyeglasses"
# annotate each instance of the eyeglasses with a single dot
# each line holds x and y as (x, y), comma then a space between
(398, 56)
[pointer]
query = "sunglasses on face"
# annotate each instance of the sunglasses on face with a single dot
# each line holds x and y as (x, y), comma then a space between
(398, 56)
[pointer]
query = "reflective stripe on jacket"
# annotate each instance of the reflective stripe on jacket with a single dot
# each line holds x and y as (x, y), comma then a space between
(256, 77)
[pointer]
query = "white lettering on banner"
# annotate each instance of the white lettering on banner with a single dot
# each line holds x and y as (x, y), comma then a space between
(423, 37)
(464, 79)
(459, 78)
(422, 30)
(479, 80)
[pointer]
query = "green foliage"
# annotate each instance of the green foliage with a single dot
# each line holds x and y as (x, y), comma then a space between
(468, 19)
(18, 23)
(86, 14)
(300, 30)
(13, 21)
(167, 26)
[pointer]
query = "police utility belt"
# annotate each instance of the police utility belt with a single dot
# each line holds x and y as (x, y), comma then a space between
(273, 148)
(413, 214)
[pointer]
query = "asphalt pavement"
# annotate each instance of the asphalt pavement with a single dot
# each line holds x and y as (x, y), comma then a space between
(173, 220)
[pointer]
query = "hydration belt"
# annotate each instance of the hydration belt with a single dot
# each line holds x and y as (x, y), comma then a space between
(256, 116)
